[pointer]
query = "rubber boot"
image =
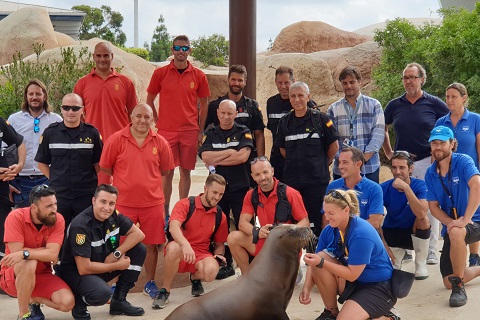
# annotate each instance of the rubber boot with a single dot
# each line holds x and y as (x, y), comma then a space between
(120, 305)
(421, 252)
(398, 253)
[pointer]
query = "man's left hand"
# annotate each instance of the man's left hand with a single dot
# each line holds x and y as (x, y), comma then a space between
(459, 223)
(12, 259)
(110, 259)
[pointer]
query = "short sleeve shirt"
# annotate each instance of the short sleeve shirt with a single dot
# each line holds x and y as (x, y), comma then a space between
(10, 137)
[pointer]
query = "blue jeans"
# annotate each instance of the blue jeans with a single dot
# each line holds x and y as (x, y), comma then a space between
(25, 184)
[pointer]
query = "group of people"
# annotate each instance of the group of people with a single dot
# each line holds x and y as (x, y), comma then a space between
(103, 209)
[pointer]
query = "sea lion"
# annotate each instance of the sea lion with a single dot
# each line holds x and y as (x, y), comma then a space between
(264, 291)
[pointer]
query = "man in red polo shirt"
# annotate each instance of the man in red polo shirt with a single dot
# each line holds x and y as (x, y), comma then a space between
(189, 251)
(108, 96)
(33, 237)
(241, 242)
(180, 121)
(137, 157)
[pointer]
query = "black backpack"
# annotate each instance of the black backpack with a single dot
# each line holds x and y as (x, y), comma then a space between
(191, 210)
(283, 209)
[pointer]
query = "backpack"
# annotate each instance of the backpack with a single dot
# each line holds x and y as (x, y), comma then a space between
(283, 209)
(191, 210)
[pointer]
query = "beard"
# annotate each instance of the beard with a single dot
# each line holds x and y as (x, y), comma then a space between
(48, 220)
(439, 156)
(235, 90)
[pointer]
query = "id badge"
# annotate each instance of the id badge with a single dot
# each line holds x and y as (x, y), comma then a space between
(347, 143)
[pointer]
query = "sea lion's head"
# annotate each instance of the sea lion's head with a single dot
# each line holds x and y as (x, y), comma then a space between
(290, 236)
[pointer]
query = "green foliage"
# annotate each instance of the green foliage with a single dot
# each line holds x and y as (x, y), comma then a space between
(212, 50)
(102, 23)
(449, 52)
(59, 76)
(141, 52)
(161, 42)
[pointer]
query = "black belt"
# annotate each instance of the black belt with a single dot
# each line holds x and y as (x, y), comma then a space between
(31, 177)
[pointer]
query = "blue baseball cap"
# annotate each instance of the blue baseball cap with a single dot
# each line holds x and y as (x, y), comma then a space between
(441, 133)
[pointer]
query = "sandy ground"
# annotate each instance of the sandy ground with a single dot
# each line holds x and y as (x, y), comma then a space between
(428, 299)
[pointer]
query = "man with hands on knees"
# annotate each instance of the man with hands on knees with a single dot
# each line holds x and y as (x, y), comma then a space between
(350, 259)
(194, 224)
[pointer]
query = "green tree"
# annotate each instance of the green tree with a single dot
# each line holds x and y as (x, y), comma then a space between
(212, 50)
(161, 42)
(102, 23)
(141, 52)
(450, 52)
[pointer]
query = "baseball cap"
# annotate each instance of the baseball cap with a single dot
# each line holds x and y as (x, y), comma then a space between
(441, 133)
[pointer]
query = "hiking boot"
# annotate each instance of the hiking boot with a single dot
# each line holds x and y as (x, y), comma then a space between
(458, 297)
(35, 311)
(327, 315)
(474, 260)
(432, 258)
(161, 299)
(225, 272)
(150, 289)
(80, 312)
(118, 307)
(197, 287)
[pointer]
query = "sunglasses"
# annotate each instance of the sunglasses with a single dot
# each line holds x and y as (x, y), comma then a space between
(261, 158)
(183, 48)
(403, 154)
(36, 122)
(40, 187)
(337, 195)
(74, 108)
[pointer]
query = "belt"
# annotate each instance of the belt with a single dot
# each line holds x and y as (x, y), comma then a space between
(31, 177)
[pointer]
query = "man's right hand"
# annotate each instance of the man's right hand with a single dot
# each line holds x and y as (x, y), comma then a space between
(188, 254)
(123, 263)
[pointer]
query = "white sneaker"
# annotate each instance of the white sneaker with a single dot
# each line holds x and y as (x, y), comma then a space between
(432, 258)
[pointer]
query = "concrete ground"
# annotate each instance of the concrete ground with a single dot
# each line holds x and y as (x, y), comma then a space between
(428, 299)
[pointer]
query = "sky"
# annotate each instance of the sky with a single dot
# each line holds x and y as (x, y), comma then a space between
(196, 18)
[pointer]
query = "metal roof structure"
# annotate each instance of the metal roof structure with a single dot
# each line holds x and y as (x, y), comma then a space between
(467, 4)
(65, 21)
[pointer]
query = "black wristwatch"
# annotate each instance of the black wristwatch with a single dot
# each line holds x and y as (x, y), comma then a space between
(117, 254)
(26, 254)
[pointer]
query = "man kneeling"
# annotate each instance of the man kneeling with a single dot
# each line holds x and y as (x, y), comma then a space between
(93, 255)
(192, 236)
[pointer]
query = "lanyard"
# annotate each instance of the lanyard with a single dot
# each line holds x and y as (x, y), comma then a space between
(352, 117)
(342, 238)
(453, 210)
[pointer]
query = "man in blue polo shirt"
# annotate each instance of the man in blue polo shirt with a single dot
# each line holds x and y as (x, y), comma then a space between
(406, 224)
(350, 162)
(449, 180)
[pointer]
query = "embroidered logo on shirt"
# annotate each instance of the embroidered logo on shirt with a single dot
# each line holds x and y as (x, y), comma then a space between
(192, 85)
(363, 202)
(87, 140)
(80, 239)
(329, 123)
(154, 150)
(456, 180)
(117, 87)
(465, 128)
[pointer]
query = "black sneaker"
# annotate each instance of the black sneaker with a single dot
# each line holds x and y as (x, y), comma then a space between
(80, 312)
(225, 272)
(35, 311)
(197, 287)
(161, 299)
(327, 315)
(474, 260)
(458, 297)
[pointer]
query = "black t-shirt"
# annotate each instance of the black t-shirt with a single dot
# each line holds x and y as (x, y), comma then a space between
(10, 137)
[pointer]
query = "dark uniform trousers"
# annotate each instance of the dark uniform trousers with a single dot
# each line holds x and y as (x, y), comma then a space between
(93, 289)
(70, 208)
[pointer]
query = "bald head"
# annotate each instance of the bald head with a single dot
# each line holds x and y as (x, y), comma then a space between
(103, 56)
(72, 107)
(142, 118)
(72, 99)
(226, 113)
(262, 173)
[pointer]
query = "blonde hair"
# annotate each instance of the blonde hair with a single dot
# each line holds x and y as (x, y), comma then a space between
(349, 199)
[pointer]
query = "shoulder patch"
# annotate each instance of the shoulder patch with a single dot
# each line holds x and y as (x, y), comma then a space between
(329, 123)
(248, 136)
(41, 139)
(80, 239)
(204, 137)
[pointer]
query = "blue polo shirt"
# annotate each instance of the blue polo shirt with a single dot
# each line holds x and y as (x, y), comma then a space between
(466, 131)
(399, 214)
(364, 247)
(369, 195)
(462, 169)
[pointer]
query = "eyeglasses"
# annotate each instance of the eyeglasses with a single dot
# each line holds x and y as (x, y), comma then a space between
(36, 122)
(261, 158)
(183, 48)
(411, 78)
(74, 108)
(337, 195)
(403, 154)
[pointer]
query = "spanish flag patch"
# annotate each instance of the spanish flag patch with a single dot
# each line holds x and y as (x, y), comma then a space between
(329, 123)
(248, 136)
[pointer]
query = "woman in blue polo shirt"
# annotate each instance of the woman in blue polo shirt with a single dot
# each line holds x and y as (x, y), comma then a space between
(349, 250)
(466, 129)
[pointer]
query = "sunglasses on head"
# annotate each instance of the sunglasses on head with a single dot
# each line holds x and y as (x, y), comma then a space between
(36, 122)
(261, 158)
(74, 108)
(183, 48)
(40, 187)
(337, 195)
(402, 154)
